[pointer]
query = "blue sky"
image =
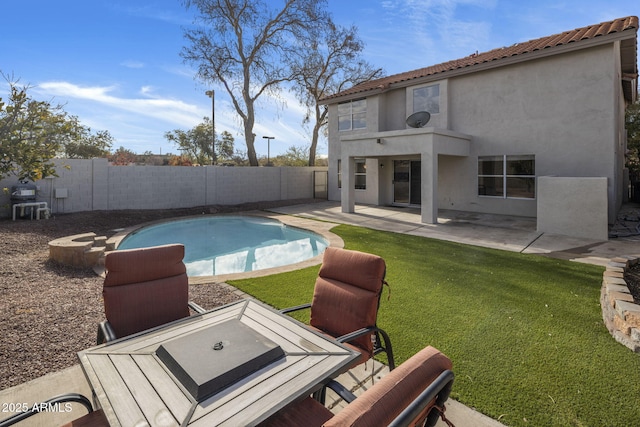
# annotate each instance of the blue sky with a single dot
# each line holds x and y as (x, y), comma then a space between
(116, 65)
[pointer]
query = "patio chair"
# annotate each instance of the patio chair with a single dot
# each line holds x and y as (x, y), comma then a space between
(144, 288)
(346, 299)
(412, 394)
(91, 419)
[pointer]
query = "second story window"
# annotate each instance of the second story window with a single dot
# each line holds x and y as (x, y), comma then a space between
(352, 115)
(427, 98)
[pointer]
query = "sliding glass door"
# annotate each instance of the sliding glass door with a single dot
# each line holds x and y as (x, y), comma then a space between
(406, 182)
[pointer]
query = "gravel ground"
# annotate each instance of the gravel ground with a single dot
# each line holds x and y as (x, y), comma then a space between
(49, 312)
(632, 277)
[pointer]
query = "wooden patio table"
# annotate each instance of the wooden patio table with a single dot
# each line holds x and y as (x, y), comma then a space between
(135, 388)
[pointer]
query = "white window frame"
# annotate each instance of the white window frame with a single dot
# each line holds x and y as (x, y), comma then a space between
(362, 173)
(355, 116)
(439, 118)
(432, 101)
(506, 177)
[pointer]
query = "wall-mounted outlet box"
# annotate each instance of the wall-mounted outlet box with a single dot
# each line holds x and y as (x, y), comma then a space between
(61, 193)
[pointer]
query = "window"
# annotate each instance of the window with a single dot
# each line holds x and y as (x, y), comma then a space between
(427, 98)
(352, 115)
(360, 174)
(507, 176)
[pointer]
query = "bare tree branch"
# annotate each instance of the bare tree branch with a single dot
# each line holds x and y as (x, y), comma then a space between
(329, 63)
(244, 45)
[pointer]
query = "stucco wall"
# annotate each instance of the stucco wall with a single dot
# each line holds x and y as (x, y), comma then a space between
(573, 206)
(560, 109)
(566, 110)
(94, 185)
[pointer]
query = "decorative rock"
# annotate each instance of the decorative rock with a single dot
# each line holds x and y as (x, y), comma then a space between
(620, 296)
(622, 326)
(609, 273)
(614, 281)
(618, 288)
(621, 260)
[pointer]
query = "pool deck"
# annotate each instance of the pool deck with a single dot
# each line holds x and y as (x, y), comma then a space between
(504, 232)
(495, 231)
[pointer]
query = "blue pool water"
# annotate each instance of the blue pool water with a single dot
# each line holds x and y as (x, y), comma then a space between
(230, 244)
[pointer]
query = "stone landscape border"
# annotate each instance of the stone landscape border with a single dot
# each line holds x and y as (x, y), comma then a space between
(79, 250)
(621, 315)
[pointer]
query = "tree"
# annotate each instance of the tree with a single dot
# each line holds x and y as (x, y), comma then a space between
(329, 63)
(88, 145)
(294, 156)
(225, 146)
(180, 161)
(31, 134)
(195, 144)
(123, 157)
(633, 140)
(244, 45)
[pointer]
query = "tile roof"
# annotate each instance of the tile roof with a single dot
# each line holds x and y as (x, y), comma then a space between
(567, 37)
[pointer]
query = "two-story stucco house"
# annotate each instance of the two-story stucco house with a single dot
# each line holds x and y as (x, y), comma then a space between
(536, 129)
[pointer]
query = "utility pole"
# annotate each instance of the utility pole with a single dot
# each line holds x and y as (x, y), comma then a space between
(269, 138)
(212, 93)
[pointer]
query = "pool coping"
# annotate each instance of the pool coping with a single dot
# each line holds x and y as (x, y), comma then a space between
(319, 227)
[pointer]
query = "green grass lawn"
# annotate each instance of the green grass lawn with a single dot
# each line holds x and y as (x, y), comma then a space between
(525, 332)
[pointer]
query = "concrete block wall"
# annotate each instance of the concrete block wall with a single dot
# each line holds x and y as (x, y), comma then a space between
(100, 184)
(295, 182)
(95, 185)
(253, 185)
(155, 187)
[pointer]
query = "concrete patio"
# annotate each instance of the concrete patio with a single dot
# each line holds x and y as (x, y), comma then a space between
(504, 232)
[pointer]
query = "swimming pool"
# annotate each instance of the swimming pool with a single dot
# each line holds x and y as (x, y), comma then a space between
(231, 244)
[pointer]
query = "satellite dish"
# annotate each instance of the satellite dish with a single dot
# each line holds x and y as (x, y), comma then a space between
(419, 119)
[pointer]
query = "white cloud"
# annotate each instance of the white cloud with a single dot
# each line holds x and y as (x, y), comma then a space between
(147, 90)
(138, 122)
(420, 33)
(132, 64)
(169, 110)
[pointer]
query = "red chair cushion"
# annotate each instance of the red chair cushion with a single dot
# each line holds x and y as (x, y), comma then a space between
(383, 402)
(347, 293)
(378, 405)
(145, 288)
(304, 413)
(359, 269)
(139, 306)
(92, 419)
(144, 264)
